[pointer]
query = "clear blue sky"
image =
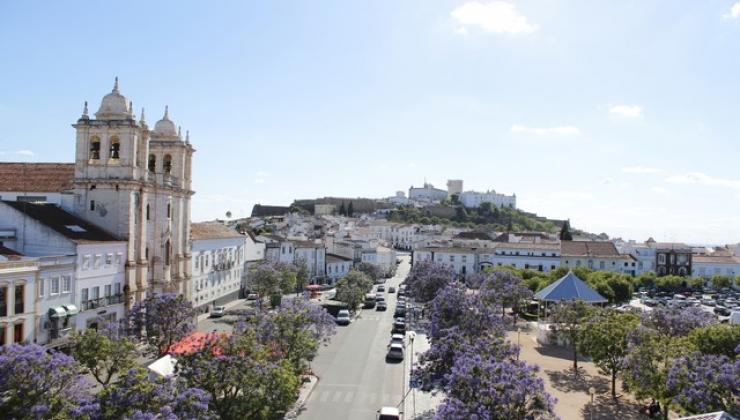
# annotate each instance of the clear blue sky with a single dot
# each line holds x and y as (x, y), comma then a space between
(622, 115)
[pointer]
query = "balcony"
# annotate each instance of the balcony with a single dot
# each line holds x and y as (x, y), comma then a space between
(102, 302)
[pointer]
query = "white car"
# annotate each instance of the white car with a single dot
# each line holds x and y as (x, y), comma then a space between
(397, 339)
(218, 312)
(388, 413)
(343, 317)
(395, 352)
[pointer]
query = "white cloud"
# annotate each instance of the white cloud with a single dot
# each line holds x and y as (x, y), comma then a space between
(704, 179)
(259, 181)
(497, 17)
(24, 153)
(641, 170)
(627, 111)
(734, 11)
(565, 130)
(261, 174)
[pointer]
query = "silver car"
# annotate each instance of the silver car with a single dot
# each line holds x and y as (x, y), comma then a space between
(395, 352)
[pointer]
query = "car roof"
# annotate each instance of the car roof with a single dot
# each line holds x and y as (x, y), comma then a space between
(401, 336)
(396, 346)
(390, 411)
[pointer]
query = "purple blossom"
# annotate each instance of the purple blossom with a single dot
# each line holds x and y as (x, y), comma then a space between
(705, 383)
(676, 321)
(33, 380)
(426, 278)
(485, 388)
(161, 320)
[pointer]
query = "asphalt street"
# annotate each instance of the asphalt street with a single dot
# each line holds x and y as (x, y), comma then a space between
(354, 378)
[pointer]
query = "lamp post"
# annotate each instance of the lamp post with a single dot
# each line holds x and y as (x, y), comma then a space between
(591, 392)
(412, 335)
(518, 347)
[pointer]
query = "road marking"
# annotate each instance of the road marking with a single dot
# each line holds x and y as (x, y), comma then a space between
(349, 397)
(337, 396)
(371, 397)
(325, 396)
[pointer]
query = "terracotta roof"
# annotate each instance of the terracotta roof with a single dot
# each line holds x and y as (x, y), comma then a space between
(212, 230)
(36, 177)
(67, 224)
(589, 248)
(722, 259)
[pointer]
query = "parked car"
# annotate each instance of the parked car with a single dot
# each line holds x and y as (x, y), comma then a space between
(388, 413)
(395, 352)
(400, 311)
(218, 312)
(391, 289)
(381, 288)
(398, 327)
(253, 296)
(721, 310)
(381, 306)
(343, 317)
(398, 339)
(401, 292)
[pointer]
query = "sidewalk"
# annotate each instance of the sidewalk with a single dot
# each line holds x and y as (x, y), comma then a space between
(305, 392)
(418, 405)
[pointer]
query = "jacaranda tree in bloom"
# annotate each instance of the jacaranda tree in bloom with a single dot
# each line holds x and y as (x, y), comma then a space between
(485, 388)
(676, 322)
(245, 379)
(135, 396)
(426, 278)
(296, 329)
(504, 288)
(704, 383)
(161, 320)
(36, 384)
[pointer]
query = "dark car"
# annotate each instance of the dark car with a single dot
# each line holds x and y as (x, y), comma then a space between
(399, 327)
(391, 289)
(381, 306)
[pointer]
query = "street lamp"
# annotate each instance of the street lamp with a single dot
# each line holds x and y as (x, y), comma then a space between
(518, 347)
(412, 335)
(591, 391)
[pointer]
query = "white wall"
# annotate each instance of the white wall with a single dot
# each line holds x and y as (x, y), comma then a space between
(100, 270)
(218, 266)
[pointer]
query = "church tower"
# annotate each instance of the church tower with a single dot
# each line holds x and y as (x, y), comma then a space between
(136, 184)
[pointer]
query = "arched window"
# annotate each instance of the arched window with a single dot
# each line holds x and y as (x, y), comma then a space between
(152, 163)
(94, 148)
(167, 164)
(115, 148)
(167, 253)
(147, 212)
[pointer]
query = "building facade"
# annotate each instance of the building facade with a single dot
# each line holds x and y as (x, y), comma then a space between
(672, 259)
(473, 199)
(218, 265)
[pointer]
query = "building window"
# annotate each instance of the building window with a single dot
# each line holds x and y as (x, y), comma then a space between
(118, 258)
(152, 163)
(85, 262)
(3, 301)
(54, 286)
(41, 287)
(601, 265)
(66, 284)
(95, 293)
(117, 288)
(169, 210)
(96, 262)
(107, 291)
(167, 253)
(167, 164)
(2, 335)
(84, 298)
(147, 212)
(19, 294)
(92, 205)
(95, 148)
(108, 259)
(452, 258)
(661, 258)
(18, 333)
(115, 147)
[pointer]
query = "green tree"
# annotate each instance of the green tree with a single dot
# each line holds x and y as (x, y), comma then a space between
(669, 283)
(301, 275)
(352, 288)
(101, 355)
(716, 339)
(721, 282)
(342, 209)
(265, 280)
(696, 283)
(604, 339)
(568, 321)
(565, 234)
(350, 209)
(372, 271)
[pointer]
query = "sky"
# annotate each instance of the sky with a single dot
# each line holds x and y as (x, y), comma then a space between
(619, 115)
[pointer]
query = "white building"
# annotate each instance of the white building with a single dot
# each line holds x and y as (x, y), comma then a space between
(535, 256)
(291, 251)
(218, 264)
(462, 260)
(427, 194)
(337, 267)
(81, 268)
(17, 291)
(708, 266)
(382, 257)
(596, 255)
(643, 253)
(473, 199)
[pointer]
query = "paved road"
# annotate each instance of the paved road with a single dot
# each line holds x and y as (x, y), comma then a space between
(354, 378)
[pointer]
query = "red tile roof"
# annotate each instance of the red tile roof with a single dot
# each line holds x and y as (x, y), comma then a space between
(36, 177)
(212, 230)
(589, 248)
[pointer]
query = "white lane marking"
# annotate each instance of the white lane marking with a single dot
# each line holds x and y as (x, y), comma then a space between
(337, 396)
(348, 397)
(324, 396)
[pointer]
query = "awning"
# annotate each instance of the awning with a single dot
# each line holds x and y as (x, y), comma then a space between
(71, 310)
(58, 312)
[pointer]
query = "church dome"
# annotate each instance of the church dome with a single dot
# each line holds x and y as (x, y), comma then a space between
(165, 127)
(114, 106)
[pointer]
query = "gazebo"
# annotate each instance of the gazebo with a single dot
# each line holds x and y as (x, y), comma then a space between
(569, 287)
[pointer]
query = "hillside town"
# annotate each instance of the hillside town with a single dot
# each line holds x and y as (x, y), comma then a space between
(491, 210)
